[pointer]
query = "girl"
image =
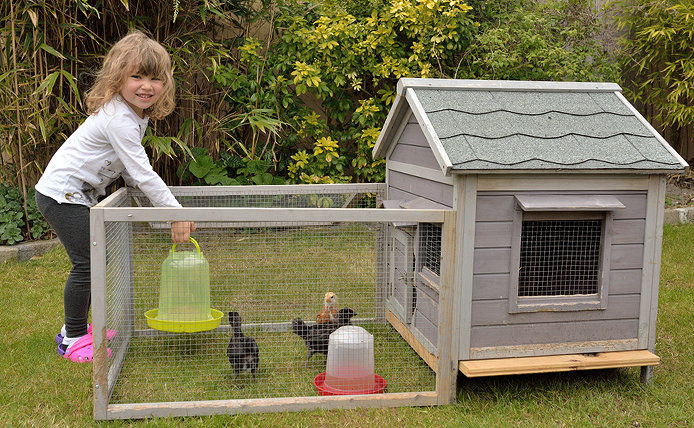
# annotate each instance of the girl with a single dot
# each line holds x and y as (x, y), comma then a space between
(134, 83)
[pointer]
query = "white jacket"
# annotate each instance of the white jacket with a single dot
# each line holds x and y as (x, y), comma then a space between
(106, 145)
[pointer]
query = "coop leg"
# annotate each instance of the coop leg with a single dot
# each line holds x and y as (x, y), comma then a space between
(646, 374)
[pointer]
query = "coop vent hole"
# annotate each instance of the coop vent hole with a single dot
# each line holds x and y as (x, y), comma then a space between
(559, 257)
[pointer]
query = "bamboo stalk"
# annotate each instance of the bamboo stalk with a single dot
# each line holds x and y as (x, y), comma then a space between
(19, 132)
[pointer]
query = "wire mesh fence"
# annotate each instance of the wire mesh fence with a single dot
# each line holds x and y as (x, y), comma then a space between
(281, 289)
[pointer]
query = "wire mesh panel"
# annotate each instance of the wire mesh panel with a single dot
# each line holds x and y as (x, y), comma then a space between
(560, 257)
(119, 254)
(282, 289)
(271, 277)
(430, 247)
(329, 196)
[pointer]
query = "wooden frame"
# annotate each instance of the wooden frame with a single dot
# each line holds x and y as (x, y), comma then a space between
(264, 405)
(98, 300)
(419, 171)
(106, 372)
(232, 215)
(466, 208)
(652, 250)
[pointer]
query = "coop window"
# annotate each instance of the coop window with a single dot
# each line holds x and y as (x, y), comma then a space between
(430, 247)
(560, 252)
(559, 257)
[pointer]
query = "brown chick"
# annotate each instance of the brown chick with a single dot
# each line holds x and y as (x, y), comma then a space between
(328, 313)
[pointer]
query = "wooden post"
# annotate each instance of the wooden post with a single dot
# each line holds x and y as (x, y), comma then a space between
(651, 273)
(98, 279)
(447, 368)
(466, 207)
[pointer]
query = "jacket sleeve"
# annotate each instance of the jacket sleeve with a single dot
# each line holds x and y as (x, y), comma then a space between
(128, 179)
(125, 139)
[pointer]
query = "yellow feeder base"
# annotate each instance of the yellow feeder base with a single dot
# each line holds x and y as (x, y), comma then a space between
(184, 326)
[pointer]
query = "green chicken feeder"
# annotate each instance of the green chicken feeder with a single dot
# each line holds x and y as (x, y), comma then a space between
(184, 294)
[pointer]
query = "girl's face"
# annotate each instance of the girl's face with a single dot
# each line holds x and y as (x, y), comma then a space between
(141, 92)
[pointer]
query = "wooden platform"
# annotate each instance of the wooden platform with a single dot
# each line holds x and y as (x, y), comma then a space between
(557, 363)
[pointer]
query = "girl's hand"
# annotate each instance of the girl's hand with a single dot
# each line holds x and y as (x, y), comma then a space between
(181, 230)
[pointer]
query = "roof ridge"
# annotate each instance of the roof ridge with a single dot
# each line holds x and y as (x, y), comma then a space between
(505, 85)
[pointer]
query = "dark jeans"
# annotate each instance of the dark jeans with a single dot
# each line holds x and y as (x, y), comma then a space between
(71, 223)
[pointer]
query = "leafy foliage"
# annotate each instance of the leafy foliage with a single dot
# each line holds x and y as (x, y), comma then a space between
(227, 171)
(324, 165)
(13, 227)
(348, 55)
(553, 40)
(658, 56)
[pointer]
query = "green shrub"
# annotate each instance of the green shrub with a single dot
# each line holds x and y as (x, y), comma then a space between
(14, 225)
(658, 56)
(202, 170)
(349, 55)
(529, 40)
(325, 165)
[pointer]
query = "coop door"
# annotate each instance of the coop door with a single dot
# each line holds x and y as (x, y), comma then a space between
(402, 264)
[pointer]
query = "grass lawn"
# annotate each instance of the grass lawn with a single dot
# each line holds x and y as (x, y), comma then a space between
(40, 389)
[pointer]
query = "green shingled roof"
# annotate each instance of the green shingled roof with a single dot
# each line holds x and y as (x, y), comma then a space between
(491, 125)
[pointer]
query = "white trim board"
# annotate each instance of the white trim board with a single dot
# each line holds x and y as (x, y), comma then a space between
(384, 141)
(429, 132)
(535, 350)
(301, 215)
(420, 171)
(561, 182)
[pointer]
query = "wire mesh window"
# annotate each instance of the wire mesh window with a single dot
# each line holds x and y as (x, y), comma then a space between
(560, 257)
(430, 246)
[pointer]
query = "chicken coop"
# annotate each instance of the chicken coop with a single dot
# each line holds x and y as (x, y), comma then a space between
(519, 231)
(272, 260)
(558, 190)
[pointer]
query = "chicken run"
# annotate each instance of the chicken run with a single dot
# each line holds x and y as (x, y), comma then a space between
(285, 274)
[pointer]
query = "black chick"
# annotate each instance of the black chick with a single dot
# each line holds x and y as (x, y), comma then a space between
(242, 351)
(317, 336)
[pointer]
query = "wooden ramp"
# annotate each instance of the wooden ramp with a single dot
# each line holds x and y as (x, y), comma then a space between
(557, 363)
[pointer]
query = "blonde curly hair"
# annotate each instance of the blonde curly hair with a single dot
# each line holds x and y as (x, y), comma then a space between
(134, 53)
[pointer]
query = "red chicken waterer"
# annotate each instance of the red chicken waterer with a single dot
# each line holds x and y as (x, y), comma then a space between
(350, 364)
(323, 389)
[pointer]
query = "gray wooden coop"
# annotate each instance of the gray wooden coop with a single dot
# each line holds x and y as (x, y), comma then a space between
(558, 190)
